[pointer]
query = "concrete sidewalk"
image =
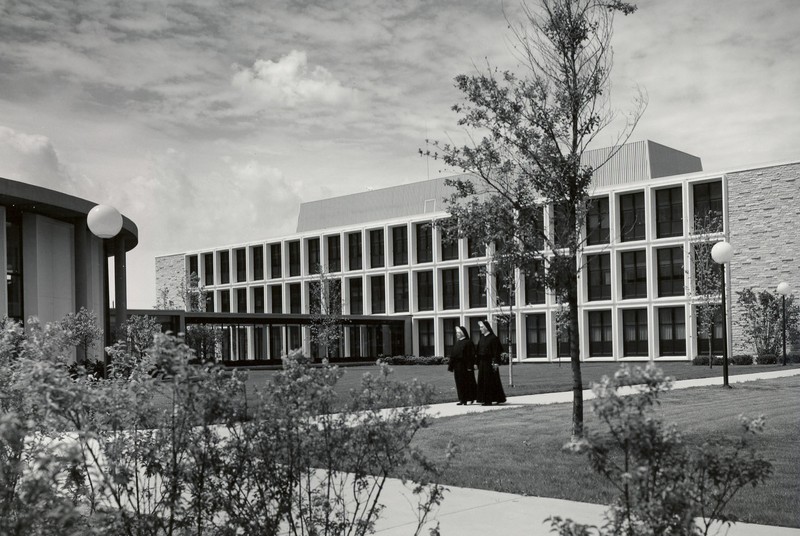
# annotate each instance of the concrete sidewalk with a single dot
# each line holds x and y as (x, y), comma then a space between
(467, 512)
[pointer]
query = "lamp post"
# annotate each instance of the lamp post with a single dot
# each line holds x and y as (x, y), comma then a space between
(722, 252)
(783, 289)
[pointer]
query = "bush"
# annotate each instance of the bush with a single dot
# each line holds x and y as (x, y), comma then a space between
(285, 463)
(702, 360)
(767, 359)
(742, 359)
(412, 360)
(793, 358)
(666, 485)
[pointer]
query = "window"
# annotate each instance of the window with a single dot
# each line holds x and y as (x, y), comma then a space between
(224, 301)
(208, 268)
(670, 271)
(295, 299)
(295, 337)
(634, 332)
(224, 262)
(399, 246)
(669, 213)
(475, 248)
(400, 282)
(275, 261)
(258, 299)
(210, 302)
(275, 342)
(598, 268)
(276, 296)
(314, 297)
(600, 333)
(334, 254)
(424, 242)
(671, 331)
(717, 342)
(314, 258)
(505, 289)
(356, 296)
(294, 258)
(425, 291)
(354, 251)
(536, 335)
(241, 300)
(708, 206)
(477, 287)
(449, 241)
(427, 340)
(241, 265)
(474, 329)
(707, 273)
(257, 253)
(192, 264)
(631, 217)
(378, 294)
(449, 335)
(562, 233)
(376, 248)
(634, 274)
(597, 221)
(450, 289)
(534, 284)
(507, 333)
(354, 334)
(14, 272)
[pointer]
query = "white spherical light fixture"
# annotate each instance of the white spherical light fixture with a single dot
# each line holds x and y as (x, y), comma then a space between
(783, 288)
(722, 252)
(104, 221)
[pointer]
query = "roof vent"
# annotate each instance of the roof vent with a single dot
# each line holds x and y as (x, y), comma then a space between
(430, 206)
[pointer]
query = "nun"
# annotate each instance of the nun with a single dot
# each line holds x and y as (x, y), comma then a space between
(490, 388)
(462, 365)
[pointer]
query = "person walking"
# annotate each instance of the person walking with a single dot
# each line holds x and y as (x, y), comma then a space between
(490, 388)
(462, 365)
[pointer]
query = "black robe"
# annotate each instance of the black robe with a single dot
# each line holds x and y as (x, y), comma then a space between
(462, 363)
(490, 388)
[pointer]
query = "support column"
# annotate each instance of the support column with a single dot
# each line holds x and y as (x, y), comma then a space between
(120, 284)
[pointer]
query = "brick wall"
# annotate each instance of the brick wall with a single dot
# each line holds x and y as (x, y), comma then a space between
(170, 274)
(764, 221)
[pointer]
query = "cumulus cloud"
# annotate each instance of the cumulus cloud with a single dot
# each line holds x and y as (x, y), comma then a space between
(31, 158)
(290, 82)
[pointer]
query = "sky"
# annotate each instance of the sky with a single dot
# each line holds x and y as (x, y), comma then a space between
(208, 122)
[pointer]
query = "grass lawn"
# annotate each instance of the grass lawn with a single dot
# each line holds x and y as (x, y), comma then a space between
(529, 378)
(519, 450)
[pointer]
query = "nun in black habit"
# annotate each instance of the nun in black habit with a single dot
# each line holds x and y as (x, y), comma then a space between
(490, 388)
(462, 365)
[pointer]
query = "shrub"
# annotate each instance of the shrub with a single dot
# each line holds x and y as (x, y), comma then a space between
(665, 483)
(742, 359)
(793, 358)
(412, 360)
(702, 360)
(767, 359)
(192, 455)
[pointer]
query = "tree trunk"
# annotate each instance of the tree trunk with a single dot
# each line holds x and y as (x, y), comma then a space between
(575, 358)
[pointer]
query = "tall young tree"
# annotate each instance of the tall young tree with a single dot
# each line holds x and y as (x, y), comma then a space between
(529, 132)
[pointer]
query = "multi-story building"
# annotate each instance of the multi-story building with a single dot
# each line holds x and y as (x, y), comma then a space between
(382, 249)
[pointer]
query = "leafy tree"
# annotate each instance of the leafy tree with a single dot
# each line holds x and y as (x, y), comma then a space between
(83, 331)
(664, 483)
(326, 312)
(533, 130)
(761, 320)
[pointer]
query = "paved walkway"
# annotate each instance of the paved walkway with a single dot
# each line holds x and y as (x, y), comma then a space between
(467, 512)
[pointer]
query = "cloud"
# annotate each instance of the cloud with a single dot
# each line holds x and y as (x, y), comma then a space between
(290, 82)
(31, 158)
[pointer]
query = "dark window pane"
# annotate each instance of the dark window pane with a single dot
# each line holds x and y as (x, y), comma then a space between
(258, 299)
(449, 335)
(295, 298)
(378, 294)
(193, 269)
(425, 291)
(424, 242)
(450, 289)
(376, 248)
(400, 282)
(669, 212)
(275, 261)
(356, 296)
(670, 271)
(354, 251)
(257, 253)
(224, 301)
(427, 339)
(208, 268)
(534, 284)
(276, 295)
(634, 274)
(224, 261)
(294, 258)
(708, 207)
(313, 256)
(598, 268)
(334, 254)
(241, 265)
(477, 287)
(631, 217)
(634, 332)
(597, 221)
(600, 334)
(449, 242)
(671, 331)
(536, 335)
(399, 246)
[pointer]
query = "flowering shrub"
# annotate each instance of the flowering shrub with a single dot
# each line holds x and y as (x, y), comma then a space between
(664, 483)
(412, 360)
(132, 454)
